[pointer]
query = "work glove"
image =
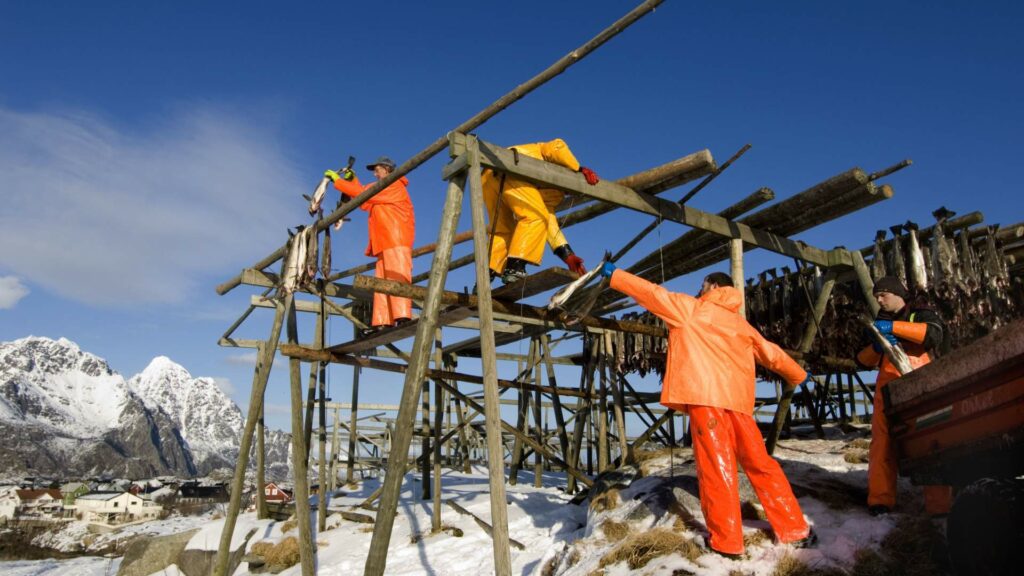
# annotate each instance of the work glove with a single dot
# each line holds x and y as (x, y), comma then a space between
(575, 263)
(346, 174)
(590, 175)
(608, 269)
(885, 328)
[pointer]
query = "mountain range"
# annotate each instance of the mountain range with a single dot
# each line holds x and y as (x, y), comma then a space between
(65, 413)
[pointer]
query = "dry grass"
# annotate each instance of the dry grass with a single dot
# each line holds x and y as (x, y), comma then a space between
(608, 500)
(574, 557)
(791, 566)
(614, 530)
(755, 538)
(856, 456)
(751, 511)
(639, 549)
(289, 525)
(445, 529)
(860, 443)
(281, 555)
(643, 458)
(366, 529)
(913, 548)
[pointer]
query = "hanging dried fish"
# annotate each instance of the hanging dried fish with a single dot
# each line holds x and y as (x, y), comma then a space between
(918, 269)
(293, 267)
(942, 251)
(894, 258)
(878, 257)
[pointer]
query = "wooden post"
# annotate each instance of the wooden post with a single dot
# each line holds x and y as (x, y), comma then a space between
(556, 402)
(463, 437)
(299, 450)
(603, 458)
(435, 518)
(625, 452)
(261, 457)
(865, 282)
(376, 560)
(810, 331)
(538, 460)
(314, 370)
(261, 375)
(492, 413)
(425, 468)
(736, 271)
(352, 428)
(335, 446)
(321, 500)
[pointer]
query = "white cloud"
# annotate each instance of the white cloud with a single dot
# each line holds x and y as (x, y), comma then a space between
(114, 217)
(244, 359)
(11, 291)
(225, 385)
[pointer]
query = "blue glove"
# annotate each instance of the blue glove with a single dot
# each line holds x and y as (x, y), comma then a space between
(608, 269)
(885, 328)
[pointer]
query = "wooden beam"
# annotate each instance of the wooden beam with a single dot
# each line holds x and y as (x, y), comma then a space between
(562, 178)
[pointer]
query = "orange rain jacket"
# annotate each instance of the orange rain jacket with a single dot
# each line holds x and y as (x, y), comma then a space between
(711, 348)
(392, 221)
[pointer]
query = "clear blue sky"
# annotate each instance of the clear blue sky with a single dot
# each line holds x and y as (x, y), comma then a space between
(149, 151)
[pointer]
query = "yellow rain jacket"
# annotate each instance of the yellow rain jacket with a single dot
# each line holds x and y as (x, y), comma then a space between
(521, 215)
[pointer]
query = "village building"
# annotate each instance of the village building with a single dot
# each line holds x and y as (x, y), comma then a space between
(72, 490)
(115, 508)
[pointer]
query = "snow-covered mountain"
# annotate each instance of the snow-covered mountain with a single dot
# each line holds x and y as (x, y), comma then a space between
(209, 421)
(65, 412)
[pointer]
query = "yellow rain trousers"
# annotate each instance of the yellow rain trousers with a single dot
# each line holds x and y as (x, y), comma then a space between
(522, 215)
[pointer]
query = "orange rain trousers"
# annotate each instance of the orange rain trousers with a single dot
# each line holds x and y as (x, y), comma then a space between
(882, 463)
(394, 264)
(721, 438)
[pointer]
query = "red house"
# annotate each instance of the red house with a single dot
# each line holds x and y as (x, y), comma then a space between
(273, 493)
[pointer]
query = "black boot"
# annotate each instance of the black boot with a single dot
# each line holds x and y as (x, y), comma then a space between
(515, 270)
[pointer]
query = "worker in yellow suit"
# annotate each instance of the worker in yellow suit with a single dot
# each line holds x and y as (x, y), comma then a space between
(522, 215)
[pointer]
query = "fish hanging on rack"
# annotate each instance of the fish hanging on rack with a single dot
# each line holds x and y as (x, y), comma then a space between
(878, 257)
(943, 255)
(918, 269)
(895, 256)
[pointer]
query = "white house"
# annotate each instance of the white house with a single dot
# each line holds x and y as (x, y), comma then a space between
(8, 502)
(115, 507)
(39, 503)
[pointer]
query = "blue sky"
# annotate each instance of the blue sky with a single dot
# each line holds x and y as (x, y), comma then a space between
(149, 151)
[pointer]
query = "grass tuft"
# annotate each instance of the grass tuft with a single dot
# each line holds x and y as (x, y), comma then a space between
(614, 530)
(282, 555)
(289, 525)
(640, 548)
(608, 500)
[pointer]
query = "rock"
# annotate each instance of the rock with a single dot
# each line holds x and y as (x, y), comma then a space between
(148, 556)
(201, 562)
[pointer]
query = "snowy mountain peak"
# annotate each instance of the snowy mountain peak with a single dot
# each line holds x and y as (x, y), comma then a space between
(65, 409)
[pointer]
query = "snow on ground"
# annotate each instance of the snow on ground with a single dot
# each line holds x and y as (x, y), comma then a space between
(831, 492)
(76, 536)
(84, 566)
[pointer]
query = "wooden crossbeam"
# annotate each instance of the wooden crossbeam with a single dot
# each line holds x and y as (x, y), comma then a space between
(551, 175)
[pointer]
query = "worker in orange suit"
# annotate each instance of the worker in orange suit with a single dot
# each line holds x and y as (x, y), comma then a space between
(709, 374)
(392, 227)
(522, 216)
(920, 332)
